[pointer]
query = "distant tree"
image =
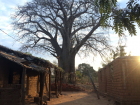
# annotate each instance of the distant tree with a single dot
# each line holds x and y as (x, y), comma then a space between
(78, 74)
(122, 51)
(84, 67)
(129, 53)
(118, 52)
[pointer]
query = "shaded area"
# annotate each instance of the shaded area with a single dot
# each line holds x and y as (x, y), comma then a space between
(80, 98)
(67, 87)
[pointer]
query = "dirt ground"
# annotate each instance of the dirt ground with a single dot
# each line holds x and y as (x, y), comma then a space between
(80, 98)
(87, 97)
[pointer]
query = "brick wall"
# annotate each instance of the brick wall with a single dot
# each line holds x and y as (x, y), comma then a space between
(121, 80)
(34, 85)
(46, 86)
(3, 73)
(10, 96)
(33, 78)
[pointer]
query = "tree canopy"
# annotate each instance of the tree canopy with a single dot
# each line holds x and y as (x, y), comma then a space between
(82, 72)
(84, 67)
(65, 27)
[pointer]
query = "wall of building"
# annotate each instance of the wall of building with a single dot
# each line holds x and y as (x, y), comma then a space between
(131, 80)
(32, 85)
(10, 96)
(31, 81)
(3, 72)
(121, 80)
(6, 67)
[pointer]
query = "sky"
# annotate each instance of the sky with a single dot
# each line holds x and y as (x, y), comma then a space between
(7, 9)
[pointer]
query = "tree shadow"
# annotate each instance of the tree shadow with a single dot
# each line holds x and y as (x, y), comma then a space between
(81, 98)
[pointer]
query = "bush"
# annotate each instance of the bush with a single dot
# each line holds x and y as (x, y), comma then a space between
(86, 80)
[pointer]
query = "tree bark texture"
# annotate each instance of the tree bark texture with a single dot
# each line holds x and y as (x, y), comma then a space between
(67, 63)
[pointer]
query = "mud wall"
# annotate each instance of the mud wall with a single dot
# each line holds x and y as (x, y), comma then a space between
(121, 80)
(10, 96)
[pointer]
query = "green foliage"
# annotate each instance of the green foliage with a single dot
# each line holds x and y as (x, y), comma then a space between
(122, 22)
(105, 9)
(61, 69)
(46, 60)
(105, 5)
(86, 79)
(125, 18)
(84, 67)
(82, 73)
(78, 74)
(28, 53)
(68, 19)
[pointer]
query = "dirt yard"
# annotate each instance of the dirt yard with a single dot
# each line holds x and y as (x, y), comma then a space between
(80, 98)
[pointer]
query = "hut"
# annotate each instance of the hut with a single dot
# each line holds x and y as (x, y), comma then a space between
(25, 78)
(120, 80)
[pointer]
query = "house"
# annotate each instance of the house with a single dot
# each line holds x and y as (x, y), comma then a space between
(120, 80)
(25, 78)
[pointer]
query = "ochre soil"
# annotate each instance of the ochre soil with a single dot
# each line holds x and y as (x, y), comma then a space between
(80, 98)
(86, 97)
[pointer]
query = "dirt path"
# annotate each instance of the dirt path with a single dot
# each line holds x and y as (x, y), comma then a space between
(79, 98)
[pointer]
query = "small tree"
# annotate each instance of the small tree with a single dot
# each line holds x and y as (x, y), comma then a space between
(84, 67)
(83, 71)
(118, 52)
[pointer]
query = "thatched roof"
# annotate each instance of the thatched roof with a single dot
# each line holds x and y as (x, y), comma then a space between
(26, 60)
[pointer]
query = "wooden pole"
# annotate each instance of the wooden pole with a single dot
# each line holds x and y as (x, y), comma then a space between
(56, 83)
(93, 85)
(61, 82)
(42, 79)
(49, 83)
(38, 82)
(23, 86)
(27, 88)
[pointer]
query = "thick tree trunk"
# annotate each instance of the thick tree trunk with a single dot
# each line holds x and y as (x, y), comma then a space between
(68, 65)
(72, 64)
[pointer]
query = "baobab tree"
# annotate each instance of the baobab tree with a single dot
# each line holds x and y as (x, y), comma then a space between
(65, 27)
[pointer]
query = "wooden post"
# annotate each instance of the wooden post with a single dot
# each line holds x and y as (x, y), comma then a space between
(61, 82)
(42, 78)
(20, 79)
(23, 86)
(93, 85)
(10, 81)
(38, 82)
(56, 83)
(49, 83)
(27, 87)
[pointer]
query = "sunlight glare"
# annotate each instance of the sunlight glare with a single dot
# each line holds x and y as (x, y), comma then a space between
(139, 59)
